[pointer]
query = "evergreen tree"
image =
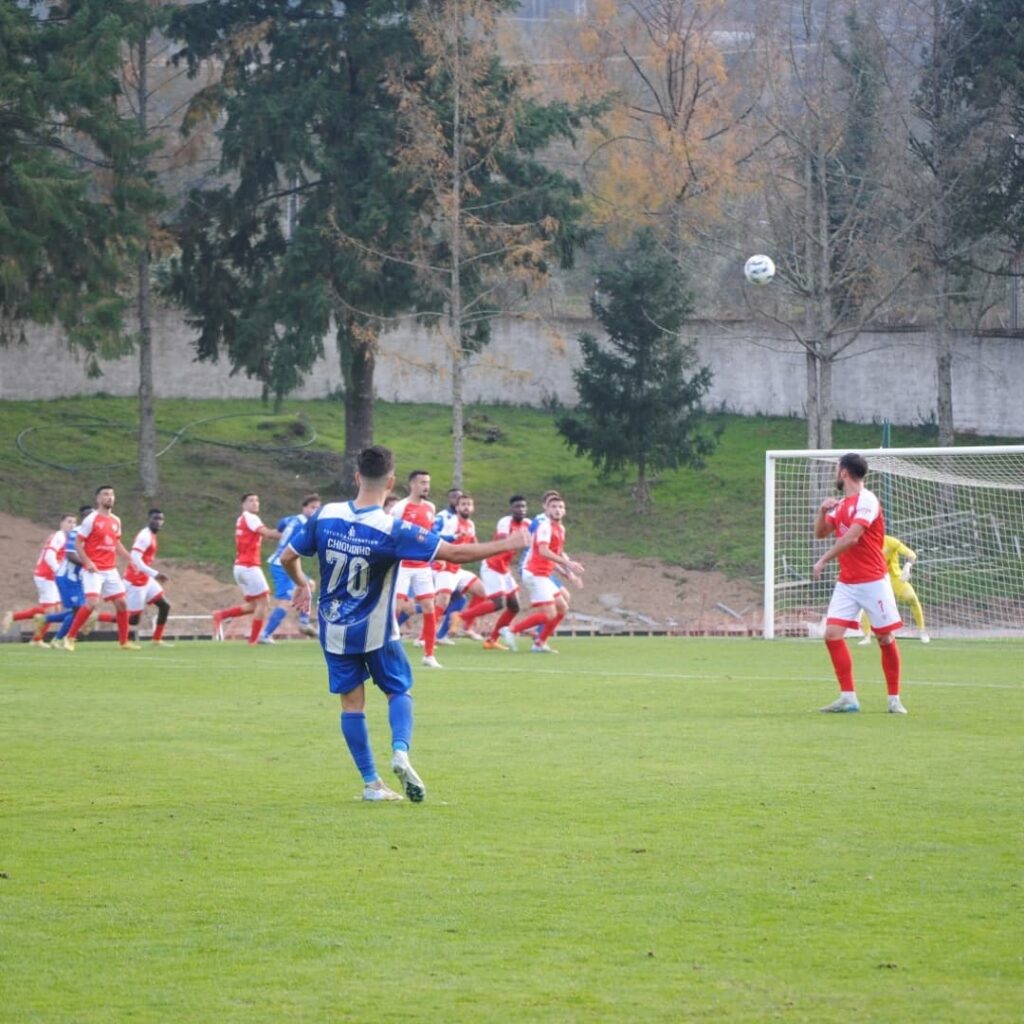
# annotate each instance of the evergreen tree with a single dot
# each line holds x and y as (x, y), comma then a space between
(69, 197)
(270, 260)
(638, 406)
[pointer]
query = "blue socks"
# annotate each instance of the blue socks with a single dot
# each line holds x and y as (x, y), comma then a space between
(357, 736)
(400, 718)
(276, 618)
(456, 604)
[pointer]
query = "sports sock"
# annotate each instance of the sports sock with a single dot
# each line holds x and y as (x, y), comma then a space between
(158, 631)
(891, 668)
(455, 606)
(233, 613)
(536, 619)
(254, 630)
(429, 633)
(106, 617)
(549, 629)
(842, 663)
(66, 620)
(277, 616)
(403, 618)
(502, 621)
(122, 625)
(81, 616)
(400, 719)
(484, 606)
(133, 621)
(28, 613)
(357, 737)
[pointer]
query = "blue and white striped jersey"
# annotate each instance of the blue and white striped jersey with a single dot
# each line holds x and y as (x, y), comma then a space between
(286, 527)
(71, 571)
(359, 550)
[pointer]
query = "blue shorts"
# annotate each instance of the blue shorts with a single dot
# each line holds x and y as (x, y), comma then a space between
(387, 666)
(284, 586)
(71, 593)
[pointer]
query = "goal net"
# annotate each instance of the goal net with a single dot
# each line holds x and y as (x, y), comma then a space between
(961, 510)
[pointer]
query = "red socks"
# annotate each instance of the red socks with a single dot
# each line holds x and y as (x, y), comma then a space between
(255, 630)
(79, 620)
(891, 667)
(502, 621)
(842, 663)
(536, 619)
(28, 613)
(482, 607)
(158, 631)
(122, 625)
(549, 629)
(429, 633)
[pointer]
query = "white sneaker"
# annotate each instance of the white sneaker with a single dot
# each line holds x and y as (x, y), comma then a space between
(8, 622)
(896, 707)
(376, 791)
(542, 649)
(508, 638)
(445, 641)
(925, 638)
(266, 640)
(864, 641)
(472, 634)
(418, 642)
(846, 702)
(411, 782)
(430, 661)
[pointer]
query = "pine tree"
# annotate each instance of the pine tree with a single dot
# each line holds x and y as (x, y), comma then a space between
(639, 405)
(287, 248)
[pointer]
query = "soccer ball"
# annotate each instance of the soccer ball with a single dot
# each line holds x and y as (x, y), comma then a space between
(759, 270)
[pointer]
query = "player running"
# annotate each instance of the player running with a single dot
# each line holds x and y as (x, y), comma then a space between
(144, 582)
(359, 546)
(283, 586)
(44, 576)
(548, 597)
(857, 522)
(98, 544)
(249, 534)
(500, 587)
(415, 585)
(899, 576)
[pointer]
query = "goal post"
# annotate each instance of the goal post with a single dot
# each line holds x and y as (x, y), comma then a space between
(961, 510)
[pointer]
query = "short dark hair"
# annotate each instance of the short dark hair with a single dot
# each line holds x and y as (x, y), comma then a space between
(376, 462)
(102, 487)
(84, 510)
(515, 498)
(854, 464)
(415, 472)
(454, 490)
(156, 511)
(309, 499)
(248, 495)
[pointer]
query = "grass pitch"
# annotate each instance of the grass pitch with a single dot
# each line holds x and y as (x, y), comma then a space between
(637, 830)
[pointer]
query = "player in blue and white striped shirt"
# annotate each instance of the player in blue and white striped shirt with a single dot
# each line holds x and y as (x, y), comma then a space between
(359, 547)
(282, 584)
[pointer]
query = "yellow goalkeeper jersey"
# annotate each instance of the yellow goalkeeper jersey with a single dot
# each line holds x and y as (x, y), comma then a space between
(892, 548)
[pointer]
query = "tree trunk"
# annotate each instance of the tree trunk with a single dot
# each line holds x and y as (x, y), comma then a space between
(811, 370)
(149, 477)
(944, 371)
(357, 352)
(455, 311)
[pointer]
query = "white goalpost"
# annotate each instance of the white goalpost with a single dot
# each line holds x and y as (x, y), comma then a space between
(960, 509)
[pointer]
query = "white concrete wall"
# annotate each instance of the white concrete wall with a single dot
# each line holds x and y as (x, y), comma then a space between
(883, 375)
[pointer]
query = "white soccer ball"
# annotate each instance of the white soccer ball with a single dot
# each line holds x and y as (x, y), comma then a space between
(759, 270)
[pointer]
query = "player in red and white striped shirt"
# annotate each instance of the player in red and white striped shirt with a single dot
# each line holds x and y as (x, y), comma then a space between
(249, 534)
(44, 576)
(547, 550)
(143, 580)
(857, 522)
(98, 544)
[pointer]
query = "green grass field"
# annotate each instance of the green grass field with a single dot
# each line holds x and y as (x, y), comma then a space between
(637, 830)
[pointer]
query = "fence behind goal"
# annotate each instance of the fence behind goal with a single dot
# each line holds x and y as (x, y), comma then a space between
(960, 509)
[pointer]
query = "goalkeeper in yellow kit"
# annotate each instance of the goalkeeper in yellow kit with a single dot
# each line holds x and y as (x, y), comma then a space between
(892, 550)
